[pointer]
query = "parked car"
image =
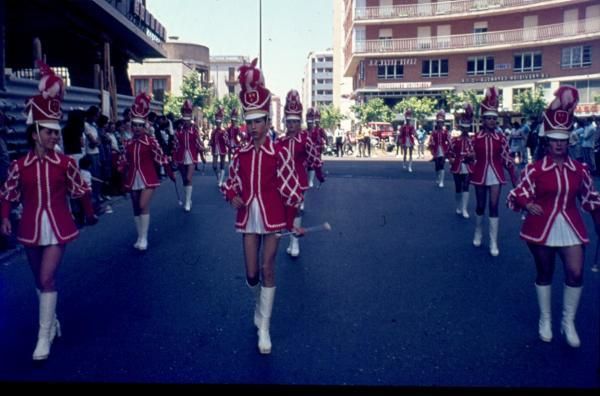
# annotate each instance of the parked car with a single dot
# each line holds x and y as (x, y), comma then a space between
(381, 130)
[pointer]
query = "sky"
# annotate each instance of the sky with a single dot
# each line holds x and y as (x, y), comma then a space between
(291, 29)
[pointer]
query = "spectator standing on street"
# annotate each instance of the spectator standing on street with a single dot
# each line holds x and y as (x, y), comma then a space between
(92, 148)
(548, 191)
(266, 193)
(407, 139)
(41, 180)
(439, 144)
(461, 159)
(186, 150)
(491, 155)
(421, 137)
(142, 154)
(587, 145)
(339, 141)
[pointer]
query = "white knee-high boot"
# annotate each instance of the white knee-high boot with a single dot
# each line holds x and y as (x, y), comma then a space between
(465, 204)
(188, 198)
(55, 329)
(136, 219)
(311, 178)
(571, 298)
(441, 185)
(144, 225)
(47, 319)
(478, 230)
(267, 296)
(410, 166)
(458, 198)
(294, 247)
(544, 297)
(494, 236)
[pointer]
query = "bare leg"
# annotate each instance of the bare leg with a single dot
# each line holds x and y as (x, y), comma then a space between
(144, 200)
(269, 251)
(34, 257)
(481, 197)
(251, 245)
(51, 258)
(494, 198)
(544, 257)
(135, 202)
(572, 258)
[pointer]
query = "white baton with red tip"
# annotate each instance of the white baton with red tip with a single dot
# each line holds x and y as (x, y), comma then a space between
(321, 227)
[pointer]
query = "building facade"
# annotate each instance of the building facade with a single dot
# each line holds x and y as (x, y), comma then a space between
(396, 49)
(158, 76)
(223, 73)
(317, 85)
(342, 86)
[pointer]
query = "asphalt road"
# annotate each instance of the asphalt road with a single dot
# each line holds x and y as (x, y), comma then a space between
(394, 296)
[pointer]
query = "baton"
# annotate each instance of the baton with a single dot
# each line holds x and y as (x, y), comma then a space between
(321, 227)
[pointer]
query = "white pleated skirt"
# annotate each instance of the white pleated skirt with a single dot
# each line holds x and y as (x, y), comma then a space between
(490, 177)
(562, 234)
(188, 159)
(138, 183)
(255, 223)
(47, 236)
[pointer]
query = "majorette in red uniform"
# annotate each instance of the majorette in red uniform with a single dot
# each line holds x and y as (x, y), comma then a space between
(406, 139)
(304, 152)
(319, 139)
(439, 144)
(548, 191)
(140, 156)
(187, 147)
(264, 189)
(234, 134)
(41, 181)
(461, 157)
(491, 157)
(219, 144)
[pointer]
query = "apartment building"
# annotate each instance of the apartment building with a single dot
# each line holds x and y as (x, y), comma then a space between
(223, 73)
(317, 86)
(396, 49)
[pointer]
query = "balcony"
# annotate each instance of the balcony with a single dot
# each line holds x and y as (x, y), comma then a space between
(474, 42)
(443, 10)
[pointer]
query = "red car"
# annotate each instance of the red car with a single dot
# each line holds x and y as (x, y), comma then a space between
(381, 130)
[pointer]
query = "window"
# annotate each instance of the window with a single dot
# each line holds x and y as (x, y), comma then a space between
(527, 62)
(480, 31)
(480, 65)
(434, 68)
(580, 56)
(159, 86)
(141, 85)
(390, 72)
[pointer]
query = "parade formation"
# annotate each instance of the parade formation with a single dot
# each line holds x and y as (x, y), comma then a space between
(266, 182)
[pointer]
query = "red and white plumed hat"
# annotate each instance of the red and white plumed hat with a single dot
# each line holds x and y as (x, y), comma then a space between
(408, 114)
(559, 116)
(293, 106)
(234, 114)
(489, 104)
(310, 115)
(219, 114)
(317, 115)
(255, 97)
(187, 110)
(466, 116)
(440, 116)
(140, 108)
(44, 108)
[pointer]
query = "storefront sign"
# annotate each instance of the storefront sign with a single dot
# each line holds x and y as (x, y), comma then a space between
(405, 85)
(514, 77)
(393, 62)
(588, 108)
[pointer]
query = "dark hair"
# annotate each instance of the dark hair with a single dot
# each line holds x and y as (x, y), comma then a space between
(92, 111)
(73, 131)
(31, 129)
(85, 162)
(102, 121)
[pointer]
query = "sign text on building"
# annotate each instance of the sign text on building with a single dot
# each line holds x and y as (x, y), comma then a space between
(405, 85)
(393, 62)
(514, 77)
(588, 108)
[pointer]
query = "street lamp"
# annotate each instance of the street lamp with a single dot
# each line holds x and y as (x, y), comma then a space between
(260, 33)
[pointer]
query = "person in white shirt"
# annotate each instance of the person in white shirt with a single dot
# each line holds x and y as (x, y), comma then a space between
(339, 141)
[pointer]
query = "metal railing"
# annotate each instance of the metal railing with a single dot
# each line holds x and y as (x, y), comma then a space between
(439, 8)
(520, 37)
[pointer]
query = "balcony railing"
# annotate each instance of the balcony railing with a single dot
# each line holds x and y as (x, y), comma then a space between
(514, 37)
(439, 8)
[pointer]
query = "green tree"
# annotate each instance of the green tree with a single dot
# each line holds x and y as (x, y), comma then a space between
(172, 104)
(597, 99)
(375, 110)
(330, 117)
(530, 103)
(192, 89)
(421, 107)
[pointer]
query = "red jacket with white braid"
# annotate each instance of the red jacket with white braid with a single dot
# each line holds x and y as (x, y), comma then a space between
(318, 137)
(234, 137)
(461, 151)
(406, 135)
(439, 138)
(268, 176)
(556, 191)
(219, 141)
(491, 149)
(187, 140)
(140, 154)
(43, 184)
(305, 154)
